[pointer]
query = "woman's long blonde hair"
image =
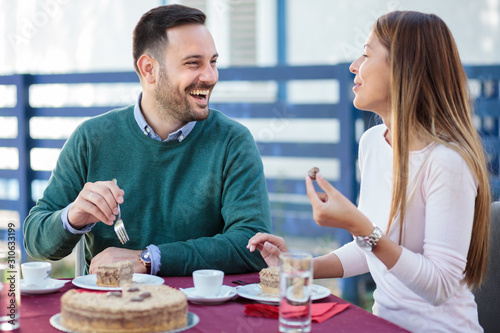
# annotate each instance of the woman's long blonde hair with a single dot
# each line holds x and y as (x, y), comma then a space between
(430, 98)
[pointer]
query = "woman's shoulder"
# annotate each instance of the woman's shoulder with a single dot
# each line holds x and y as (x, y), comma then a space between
(444, 158)
(376, 132)
(445, 154)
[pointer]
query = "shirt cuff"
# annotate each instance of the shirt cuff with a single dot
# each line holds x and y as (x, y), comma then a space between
(154, 252)
(68, 227)
(353, 259)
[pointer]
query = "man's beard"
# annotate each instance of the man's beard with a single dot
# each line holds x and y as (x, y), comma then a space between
(174, 105)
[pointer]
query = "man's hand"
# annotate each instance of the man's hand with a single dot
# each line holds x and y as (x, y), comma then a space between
(115, 254)
(96, 202)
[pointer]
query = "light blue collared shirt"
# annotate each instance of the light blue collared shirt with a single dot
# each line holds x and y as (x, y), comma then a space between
(178, 135)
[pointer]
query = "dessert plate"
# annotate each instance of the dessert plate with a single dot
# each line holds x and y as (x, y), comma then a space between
(254, 292)
(90, 281)
(192, 320)
(225, 294)
(53, 285)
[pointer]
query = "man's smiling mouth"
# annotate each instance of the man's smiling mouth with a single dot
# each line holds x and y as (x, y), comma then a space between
(200, 94)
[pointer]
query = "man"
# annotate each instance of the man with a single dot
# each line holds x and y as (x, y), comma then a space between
(190, 181)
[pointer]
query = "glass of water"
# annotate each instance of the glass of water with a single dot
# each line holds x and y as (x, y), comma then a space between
(296, 275)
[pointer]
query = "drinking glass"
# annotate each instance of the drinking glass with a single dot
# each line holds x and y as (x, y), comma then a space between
(296, 274)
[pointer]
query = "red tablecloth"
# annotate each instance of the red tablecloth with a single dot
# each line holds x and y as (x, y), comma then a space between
(36, 311)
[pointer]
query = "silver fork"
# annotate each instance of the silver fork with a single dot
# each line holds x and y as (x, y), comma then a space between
(119, 226)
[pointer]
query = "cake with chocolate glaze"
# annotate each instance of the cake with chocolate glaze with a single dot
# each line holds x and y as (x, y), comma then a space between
(115, 275)
(270, 280)
(137, 309)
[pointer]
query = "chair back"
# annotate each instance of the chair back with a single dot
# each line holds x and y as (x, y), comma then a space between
(488, 295)
(80, 258)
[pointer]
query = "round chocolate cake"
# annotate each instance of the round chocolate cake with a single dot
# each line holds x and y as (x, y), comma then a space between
(137, 309)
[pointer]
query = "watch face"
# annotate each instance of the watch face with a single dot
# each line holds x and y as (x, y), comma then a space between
(145, 256)
(363, 243)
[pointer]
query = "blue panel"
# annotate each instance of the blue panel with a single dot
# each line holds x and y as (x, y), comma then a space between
(324, 150)
(487, 107)
(277, 110)
(7, 112)
(484, 72)
(48, 143)
(9, 173)
(120, 77)
(8, 143)
(8, 205)
(72, 111)
(295, 186)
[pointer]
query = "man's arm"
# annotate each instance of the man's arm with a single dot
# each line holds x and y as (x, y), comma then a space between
(44, 234)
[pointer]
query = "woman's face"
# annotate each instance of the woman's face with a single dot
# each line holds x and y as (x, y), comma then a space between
(372, 78)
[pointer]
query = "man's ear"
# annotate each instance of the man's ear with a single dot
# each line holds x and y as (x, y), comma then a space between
(147, 66)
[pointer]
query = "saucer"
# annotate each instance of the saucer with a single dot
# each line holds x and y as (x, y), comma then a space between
(225, 294)
(52, 285)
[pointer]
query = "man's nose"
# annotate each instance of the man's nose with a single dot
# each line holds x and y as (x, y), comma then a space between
(210, 74)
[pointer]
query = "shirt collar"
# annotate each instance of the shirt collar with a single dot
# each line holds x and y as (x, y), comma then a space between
(178, 135)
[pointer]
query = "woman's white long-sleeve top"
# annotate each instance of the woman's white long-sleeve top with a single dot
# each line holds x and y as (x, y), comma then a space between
(424, 291)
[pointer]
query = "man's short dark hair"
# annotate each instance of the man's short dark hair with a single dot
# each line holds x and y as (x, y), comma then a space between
(150, 33)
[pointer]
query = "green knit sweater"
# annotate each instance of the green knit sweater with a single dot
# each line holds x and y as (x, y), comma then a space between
(198, 200)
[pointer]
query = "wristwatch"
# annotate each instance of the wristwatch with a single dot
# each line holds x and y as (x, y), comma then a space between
(369, 242)
(145, 258)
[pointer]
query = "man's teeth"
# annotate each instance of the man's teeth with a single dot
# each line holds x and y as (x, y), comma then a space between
(199, 92)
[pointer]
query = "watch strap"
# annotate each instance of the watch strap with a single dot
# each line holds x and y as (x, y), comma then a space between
(369, 242)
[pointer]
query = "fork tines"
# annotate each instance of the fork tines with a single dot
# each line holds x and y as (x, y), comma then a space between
(119, 226)
(121, 233)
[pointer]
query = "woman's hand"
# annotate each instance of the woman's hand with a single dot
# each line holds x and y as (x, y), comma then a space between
(332, 209)
(269, 246)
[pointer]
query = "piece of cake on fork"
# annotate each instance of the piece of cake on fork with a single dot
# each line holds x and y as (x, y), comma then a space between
(115, 275)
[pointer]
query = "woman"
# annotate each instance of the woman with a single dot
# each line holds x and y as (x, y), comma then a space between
(421, 228)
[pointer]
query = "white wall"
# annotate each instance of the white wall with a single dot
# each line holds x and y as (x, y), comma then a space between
(325, 31)
(57, 36)
(47, 36)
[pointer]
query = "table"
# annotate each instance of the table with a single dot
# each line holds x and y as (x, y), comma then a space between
(36, 311)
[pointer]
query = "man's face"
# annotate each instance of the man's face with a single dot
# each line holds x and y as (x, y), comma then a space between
(187, 74)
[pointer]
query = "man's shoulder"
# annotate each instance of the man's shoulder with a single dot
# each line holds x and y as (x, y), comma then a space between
(109, 119)
(217, 118)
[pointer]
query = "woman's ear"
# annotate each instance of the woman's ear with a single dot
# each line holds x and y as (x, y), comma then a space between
(147, 66)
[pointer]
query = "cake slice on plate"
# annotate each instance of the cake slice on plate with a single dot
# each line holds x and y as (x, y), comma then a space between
(116, 274)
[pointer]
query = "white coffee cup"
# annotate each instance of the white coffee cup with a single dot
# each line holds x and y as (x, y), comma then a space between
(36, 273)
(208, 282)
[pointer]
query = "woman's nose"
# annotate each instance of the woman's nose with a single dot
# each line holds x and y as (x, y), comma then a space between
(353, 68)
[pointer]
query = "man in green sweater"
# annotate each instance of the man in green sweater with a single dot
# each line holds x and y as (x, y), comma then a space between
(190, 181)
